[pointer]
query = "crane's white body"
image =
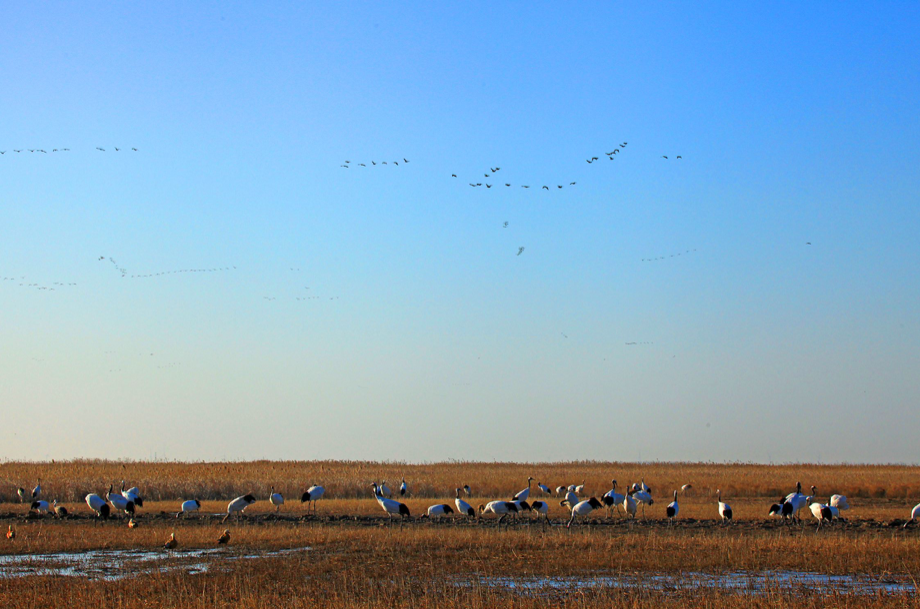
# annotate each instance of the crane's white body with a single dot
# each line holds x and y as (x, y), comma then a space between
(630, 505)
(440, 509)
(463, 507)
(238, 505)
(189, 506)
(583, 508)
(524, 494)
(98, 505)
(390, 506)
(276, 499)
(673, 508)
(725, 510)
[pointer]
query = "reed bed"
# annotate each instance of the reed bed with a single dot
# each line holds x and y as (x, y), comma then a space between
(359, 558)
(400, 566)
(70, 481)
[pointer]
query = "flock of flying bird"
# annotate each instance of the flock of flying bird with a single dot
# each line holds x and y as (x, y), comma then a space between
(637, 494)
(124, 272)
(493, 170)
(491, 173)
(99, 148)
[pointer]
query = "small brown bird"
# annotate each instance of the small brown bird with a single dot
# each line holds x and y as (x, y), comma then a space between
(224, 537)
(132, 524)
(10, 533)
(171, 543)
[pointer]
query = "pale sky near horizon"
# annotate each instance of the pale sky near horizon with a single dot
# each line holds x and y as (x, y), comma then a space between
(385, 312)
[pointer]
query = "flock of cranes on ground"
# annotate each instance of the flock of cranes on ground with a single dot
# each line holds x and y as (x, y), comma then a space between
(638, 494)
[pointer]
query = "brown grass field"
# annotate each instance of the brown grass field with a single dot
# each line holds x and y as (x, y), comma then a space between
(358, 558)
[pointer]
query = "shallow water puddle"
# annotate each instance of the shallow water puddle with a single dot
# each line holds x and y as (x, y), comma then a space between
(120, 564)
(744, 582)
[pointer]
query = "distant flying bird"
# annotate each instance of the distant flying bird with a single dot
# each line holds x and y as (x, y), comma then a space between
(546, 187)
(396, 163)
(808, 243)
(520, 250)
(507, 184)
(558, 186)
(493, 170)
(134, 149)
(505, 225)
(664, 157)
(97, 148)
(623, 144)
(589, 161)
(348, 161)
(488, 186)
(680, 157)
(523, 186)
(453, 175)
(405, 160)
(571, 183)
(362, 165)
(118, 150)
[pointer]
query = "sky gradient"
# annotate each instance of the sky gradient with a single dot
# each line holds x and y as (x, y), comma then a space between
(383, 312)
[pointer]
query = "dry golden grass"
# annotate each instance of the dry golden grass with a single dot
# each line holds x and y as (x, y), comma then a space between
(70, 481)
(421, 565)
(359, 559)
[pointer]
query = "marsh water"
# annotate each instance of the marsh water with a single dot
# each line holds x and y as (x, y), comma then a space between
(120, 564)
(744, 582)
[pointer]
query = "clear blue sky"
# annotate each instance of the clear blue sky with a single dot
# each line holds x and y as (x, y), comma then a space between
(427, 337)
